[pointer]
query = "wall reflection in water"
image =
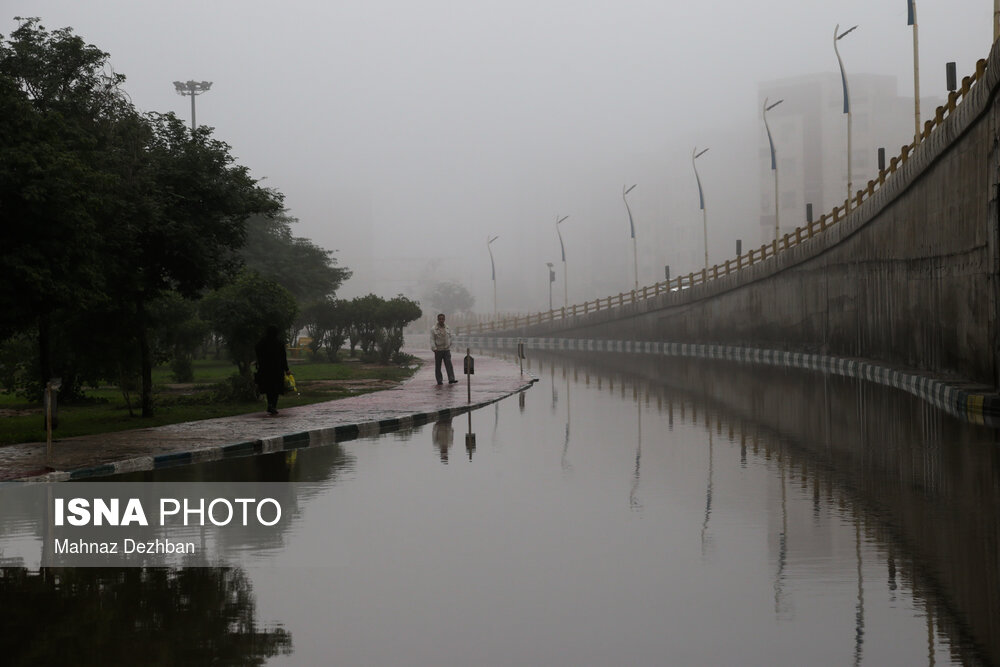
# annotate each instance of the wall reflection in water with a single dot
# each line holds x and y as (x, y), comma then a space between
(625, 510)
(921, 485)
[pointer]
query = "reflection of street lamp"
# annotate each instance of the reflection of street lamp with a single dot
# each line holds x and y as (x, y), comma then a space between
(847, 106)
(552, 279)
(701, 200)
(192, 88)
(493, 269)
(774, 163)
(563, 249)
(631, 225)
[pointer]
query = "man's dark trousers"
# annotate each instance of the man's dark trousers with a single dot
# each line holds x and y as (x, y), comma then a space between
(445, 356)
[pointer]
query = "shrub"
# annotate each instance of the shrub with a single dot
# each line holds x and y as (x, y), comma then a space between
(236, 387)
(182, 369)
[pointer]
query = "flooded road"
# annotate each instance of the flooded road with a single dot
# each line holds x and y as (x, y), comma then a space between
(624, 510)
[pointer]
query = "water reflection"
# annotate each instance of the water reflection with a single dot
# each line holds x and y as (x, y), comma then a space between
(921, 485)
(647, 511)
(443, 436)
(133, 616)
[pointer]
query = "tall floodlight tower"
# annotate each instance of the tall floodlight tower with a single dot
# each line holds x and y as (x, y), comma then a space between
(193, 89)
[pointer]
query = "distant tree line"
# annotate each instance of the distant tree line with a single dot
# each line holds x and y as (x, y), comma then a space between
(129, 240)
(371, 323)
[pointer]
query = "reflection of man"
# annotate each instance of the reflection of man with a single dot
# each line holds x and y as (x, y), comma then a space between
(443, 434)
(441, 344)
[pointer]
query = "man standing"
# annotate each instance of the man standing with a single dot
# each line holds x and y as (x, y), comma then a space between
(441, 344)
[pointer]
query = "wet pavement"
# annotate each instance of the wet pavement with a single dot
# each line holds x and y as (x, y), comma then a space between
(419, 397)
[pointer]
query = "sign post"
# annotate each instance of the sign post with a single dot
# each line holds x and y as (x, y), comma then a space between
(470, 369)
(51, 415)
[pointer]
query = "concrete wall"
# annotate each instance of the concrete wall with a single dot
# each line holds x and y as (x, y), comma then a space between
(909, 278)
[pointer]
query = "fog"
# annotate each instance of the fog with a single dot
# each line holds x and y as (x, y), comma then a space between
(404, 134)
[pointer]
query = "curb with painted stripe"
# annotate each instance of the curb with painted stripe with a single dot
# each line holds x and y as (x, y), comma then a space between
(291, 441)
(977, 407)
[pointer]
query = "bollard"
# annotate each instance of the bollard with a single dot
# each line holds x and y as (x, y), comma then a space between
(51, 415)
(469, 367)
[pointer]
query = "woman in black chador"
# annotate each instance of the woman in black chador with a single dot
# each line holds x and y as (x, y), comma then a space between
(272, 364)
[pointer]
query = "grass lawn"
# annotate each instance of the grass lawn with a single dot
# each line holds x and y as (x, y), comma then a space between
(106, 411)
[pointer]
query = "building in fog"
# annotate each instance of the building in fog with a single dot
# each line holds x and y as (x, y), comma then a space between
(810, 137)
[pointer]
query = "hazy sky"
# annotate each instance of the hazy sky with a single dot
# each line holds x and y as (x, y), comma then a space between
(402, 131)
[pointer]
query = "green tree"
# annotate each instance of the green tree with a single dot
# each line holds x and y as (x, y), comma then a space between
(327, 323)
(364, 326)
(240, 311)
(178, 332)
(307, 271)
(112, 208)
(56, 99)
(182, 218)
(392, 316)
(449, 297)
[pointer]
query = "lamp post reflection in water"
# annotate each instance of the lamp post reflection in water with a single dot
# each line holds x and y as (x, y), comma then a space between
(708, 489)
(633, 496)
(564, 461)
(779, 578)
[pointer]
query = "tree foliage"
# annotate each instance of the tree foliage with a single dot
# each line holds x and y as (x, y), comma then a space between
(309, 272)
(392, 316)
(55, 98)
(240, 312)
(101, 616)
(449, 297)
(327, 323)
(105, 210)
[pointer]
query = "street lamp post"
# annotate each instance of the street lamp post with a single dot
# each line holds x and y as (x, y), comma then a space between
(695, 154)
(192, 88)
(911, 19)
(847, 106)
(631, 225)
(774, 163)
(493, 271)
(562, 248)
(552, 279)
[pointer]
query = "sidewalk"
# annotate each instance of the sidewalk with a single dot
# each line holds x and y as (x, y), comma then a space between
(416, 401)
